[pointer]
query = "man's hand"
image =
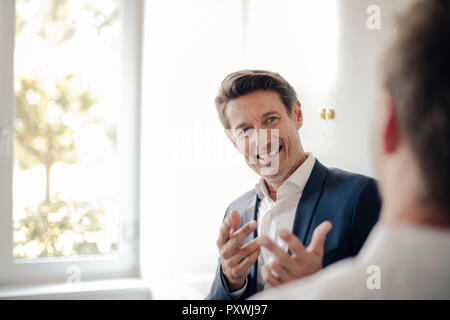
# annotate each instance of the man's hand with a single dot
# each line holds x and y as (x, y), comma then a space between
(283, 267)
(236, 258)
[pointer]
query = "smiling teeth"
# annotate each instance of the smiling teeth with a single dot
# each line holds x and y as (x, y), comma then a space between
(269, 155)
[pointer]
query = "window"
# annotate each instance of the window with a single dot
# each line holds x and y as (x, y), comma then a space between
(69, 139)
(65, 194)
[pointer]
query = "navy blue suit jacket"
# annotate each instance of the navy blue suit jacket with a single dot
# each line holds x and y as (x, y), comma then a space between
(350, 201)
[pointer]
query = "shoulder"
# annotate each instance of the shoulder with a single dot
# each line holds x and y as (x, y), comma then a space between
(348, 180)
(242, 202)
(350, 189)
(345, 280)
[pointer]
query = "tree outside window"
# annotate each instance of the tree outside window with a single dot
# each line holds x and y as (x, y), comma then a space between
(67, 63)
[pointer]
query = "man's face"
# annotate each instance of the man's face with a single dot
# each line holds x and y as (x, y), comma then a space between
(263, 131)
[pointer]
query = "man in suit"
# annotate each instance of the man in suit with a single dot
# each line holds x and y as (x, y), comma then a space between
(280, 230)
(407, 255)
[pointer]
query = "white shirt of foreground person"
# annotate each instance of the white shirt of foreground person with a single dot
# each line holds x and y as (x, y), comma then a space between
(402, 261)
(279, 214)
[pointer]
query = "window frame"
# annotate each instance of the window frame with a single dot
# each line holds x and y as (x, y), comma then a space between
(56, 270)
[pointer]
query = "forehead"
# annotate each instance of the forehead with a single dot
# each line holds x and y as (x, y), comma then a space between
(251, 107)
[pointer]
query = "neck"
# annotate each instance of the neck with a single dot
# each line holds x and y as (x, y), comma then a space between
(273, 185)
(420, 214)
(401, 187)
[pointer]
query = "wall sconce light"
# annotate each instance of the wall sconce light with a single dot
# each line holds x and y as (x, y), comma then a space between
(322, 114)
(329, 114)
(326, 113)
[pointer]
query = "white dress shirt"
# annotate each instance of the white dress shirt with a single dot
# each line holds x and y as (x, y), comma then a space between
(401, 261)
(275, 215)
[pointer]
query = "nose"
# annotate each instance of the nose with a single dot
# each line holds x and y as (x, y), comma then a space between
(264, 141)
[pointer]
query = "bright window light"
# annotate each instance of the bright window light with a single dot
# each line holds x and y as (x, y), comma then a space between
(68, 92)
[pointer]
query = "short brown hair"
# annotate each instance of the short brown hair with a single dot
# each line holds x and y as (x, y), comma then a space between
(417, 75)
(243, 82)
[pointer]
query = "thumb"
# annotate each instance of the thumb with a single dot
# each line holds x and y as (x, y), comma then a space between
(318, 238)
(235, 221)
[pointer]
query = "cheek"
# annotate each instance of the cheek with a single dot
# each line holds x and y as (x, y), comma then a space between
(376, 144)
(376, 132)
(248, 149)
(289, 141)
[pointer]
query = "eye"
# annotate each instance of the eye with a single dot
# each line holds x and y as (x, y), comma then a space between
(271, 119)
(244, 131)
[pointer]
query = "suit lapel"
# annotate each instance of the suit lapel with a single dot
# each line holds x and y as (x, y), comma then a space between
(251, 214)
(308, 201)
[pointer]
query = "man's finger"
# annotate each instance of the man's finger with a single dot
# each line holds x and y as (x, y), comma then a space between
(235, 221)
(278, 252)
(224, 233)
(244, 232)
(319, 237)
(244, 266)
(235, 242)
(245, 251)
(295, 245)
(268, 277)
(282, 274)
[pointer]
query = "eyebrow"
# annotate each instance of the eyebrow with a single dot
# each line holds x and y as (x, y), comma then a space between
(241, 125)
(269, 114)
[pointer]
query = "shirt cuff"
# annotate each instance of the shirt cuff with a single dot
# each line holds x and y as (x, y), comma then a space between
(236, 294)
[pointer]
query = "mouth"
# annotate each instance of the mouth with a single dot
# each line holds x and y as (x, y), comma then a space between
(266, 158)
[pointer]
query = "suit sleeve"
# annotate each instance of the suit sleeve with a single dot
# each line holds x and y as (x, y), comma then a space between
(218, 290)
(365, 215)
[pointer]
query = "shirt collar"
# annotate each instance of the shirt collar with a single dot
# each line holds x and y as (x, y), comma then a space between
(298, 178)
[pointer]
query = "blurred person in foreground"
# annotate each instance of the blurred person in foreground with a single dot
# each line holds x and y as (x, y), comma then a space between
(407, 254)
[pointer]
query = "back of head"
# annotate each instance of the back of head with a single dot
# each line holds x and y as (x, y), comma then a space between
(417, 76)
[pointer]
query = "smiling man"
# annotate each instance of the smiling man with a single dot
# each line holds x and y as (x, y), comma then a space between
(300, 216)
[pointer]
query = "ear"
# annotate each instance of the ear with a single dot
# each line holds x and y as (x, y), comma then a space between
(297, 114)
(391, 134)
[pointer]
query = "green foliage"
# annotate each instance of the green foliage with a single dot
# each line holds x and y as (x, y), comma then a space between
(42, 135)
(61, 228)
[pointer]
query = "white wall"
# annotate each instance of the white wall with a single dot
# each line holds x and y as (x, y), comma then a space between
(325, 49)
(190, 172)
(355, 89)
(189, 47)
